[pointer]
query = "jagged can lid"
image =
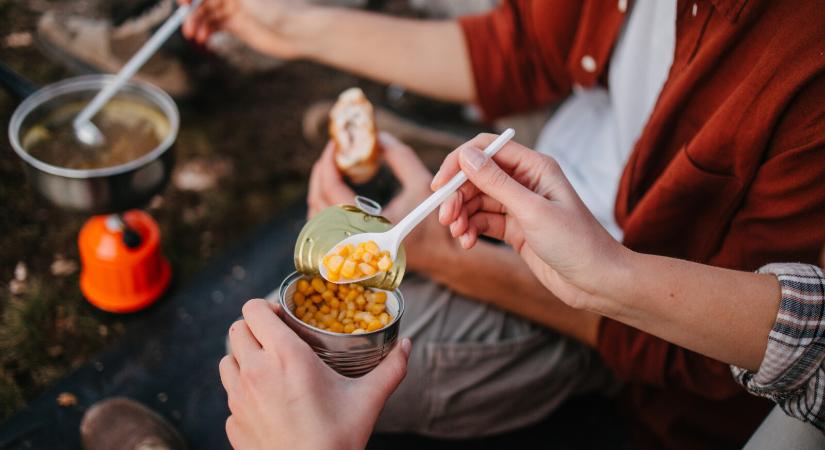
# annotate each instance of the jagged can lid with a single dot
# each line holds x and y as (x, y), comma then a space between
(329, 227)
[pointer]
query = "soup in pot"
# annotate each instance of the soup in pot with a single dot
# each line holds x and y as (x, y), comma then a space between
(131, 129)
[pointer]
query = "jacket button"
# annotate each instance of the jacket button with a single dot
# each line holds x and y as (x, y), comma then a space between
(588, 63)
(622, 5)
(694, 10)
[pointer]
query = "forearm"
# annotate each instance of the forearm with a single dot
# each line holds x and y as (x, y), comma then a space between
(721, 313)
(428, 57)
(497, 275)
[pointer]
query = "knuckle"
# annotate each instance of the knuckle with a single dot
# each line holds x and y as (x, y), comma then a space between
(247, 308)
(231, 430)
(497, 178)
(226, 364)
(237, 326)
(549, 165)
(483, 138)
(251, 307)
(254, 371)
(541, 166)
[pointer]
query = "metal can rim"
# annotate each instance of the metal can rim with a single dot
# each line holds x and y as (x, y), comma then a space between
(295, 276)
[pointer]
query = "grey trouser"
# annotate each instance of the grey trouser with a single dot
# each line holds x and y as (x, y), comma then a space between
(476, 370)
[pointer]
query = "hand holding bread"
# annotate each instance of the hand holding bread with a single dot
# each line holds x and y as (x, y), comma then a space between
(352, 129)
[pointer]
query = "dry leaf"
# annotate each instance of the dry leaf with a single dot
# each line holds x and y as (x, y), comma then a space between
(17, 287)
(62, 267)
(156, 203)
(20, 271)
(66, 399)
(199, 175)
(18, 39)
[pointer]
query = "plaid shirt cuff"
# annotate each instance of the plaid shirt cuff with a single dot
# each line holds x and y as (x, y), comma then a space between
(792, 372)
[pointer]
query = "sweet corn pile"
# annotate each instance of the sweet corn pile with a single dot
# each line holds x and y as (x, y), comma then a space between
(340, 308)
(348, 262)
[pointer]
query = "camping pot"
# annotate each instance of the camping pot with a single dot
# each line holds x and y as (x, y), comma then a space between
(351, 355)
(92, 191)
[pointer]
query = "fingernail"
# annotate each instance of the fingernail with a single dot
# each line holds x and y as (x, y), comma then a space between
(406, 346)
(437, 180)
(473, 157)
(442, 214)
(464, 239)
(453, 227)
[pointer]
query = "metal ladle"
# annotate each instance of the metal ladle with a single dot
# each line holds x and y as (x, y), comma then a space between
(87, 132)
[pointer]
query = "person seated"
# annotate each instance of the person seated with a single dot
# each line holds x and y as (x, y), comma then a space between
(85, 44)
(769, 324)
(677, 143)
(524, 199)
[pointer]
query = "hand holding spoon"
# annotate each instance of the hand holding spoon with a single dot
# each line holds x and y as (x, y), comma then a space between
(85, 131)
(391, 239)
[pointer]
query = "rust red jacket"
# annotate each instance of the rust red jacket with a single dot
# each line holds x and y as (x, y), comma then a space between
(729, 169)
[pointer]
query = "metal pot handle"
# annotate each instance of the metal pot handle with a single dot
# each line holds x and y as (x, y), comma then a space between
(14, 83)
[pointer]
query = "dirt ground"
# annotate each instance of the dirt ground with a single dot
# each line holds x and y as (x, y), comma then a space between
(243, 131)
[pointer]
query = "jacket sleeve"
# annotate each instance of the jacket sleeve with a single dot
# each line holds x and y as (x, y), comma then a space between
(792, 372)
(780, 218)
(518, 54)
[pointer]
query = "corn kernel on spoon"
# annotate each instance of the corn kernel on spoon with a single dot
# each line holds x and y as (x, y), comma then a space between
(390, 240)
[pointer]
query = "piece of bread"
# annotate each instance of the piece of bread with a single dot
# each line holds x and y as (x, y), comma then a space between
(352, 127)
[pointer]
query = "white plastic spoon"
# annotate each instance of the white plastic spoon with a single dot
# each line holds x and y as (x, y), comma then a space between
(84, 129)
(391, 239)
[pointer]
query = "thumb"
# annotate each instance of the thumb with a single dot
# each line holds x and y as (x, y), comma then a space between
(488, 177)
(388, 375)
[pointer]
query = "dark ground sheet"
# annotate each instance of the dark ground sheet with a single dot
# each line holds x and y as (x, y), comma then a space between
(168, 360)
(243, 130)
(247, 127)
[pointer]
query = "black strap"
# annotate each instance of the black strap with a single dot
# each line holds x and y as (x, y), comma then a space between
(14, 83)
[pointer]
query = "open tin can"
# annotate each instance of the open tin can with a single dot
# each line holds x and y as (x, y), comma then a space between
(351, 355)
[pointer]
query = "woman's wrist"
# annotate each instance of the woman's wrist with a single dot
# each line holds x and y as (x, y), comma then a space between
(289, 34)
(617, 290)
(301, 30)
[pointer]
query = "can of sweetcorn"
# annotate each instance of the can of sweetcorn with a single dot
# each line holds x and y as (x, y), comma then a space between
(351, 355)
(334, 224)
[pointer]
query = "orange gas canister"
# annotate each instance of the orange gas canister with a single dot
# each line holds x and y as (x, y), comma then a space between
(124, 269)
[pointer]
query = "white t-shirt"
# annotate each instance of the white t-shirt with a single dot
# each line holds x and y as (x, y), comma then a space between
(593, 132)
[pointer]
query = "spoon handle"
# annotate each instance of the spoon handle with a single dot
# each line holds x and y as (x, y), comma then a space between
(134, 64)
(408, 223)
